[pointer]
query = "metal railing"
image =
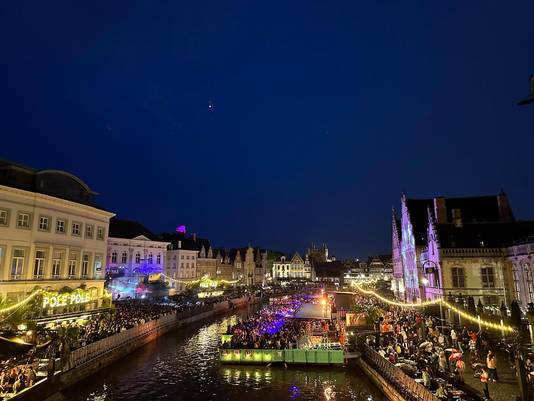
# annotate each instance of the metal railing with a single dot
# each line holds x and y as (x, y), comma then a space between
(407, 387)
(108, 344)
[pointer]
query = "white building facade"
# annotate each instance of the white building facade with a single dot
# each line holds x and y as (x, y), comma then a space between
(48, 242)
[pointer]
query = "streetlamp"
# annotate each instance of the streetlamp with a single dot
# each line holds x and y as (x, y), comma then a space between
(531, 98)
(430, 267)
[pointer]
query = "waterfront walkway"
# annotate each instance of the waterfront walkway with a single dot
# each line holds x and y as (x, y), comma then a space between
(506, 388)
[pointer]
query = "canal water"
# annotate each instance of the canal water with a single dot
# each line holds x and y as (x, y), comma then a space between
(183, 365)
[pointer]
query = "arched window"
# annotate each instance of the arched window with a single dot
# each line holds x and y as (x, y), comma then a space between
(114, 257)
(137, 258)
(124, 257)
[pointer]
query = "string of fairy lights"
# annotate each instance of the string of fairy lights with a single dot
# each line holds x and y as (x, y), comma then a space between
(475, 319)
(199, 280)
(106, 294)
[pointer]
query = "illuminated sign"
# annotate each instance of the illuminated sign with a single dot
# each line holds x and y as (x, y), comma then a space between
(55, 300)
(210, 294)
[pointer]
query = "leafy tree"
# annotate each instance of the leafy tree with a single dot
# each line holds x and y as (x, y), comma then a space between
(515, 315)
(471, 306)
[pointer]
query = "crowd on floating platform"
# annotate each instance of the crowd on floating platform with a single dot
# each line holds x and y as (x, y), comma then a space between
(273, 327)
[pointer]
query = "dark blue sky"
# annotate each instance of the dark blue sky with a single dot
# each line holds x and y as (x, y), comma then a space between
(324, 112)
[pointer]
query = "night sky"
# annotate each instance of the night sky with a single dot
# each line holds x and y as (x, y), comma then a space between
(272, 123)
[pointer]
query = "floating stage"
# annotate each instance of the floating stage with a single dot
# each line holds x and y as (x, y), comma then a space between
(287, 356)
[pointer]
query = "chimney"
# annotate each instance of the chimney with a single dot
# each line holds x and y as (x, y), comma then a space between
(505, 211)
(179, 244)
(457, 218)
(440, 210)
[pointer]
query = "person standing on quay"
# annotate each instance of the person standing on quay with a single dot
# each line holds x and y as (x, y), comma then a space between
(491, 362)
(484, 377)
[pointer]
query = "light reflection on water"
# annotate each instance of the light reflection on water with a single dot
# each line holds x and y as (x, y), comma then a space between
(184, 365)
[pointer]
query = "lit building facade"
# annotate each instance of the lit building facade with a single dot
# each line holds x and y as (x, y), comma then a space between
(461, 249)
(52, 236)
(133, 250)
(520, 258)
(294, 268)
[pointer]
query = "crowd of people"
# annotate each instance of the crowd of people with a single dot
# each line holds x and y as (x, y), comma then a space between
(20, 372)
(270, 328)
(17, 374)
(432, 354)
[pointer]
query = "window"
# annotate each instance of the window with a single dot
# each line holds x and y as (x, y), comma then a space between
(56, 265)
(85, 265)
(89, 231)
(124, 258)
(23, 220)
(150, 258)
(100, 233)
(4, 217)
(182, 265)
(60, 226)
(17, 263)
(458, 278)
(158, 259)
(114, 257)
(44, 223)
(181, 256)
(72, 266)
(488, 278)
(38, 266)
(137, 258)
(76, 230)
(516, 286)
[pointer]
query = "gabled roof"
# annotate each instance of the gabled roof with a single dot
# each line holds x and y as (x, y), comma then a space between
(129, 229)
(483, 235)
(329, 269)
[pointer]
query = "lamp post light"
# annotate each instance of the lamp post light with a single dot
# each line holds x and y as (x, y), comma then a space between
(431, 268)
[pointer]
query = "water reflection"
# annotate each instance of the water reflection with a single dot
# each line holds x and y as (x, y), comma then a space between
(184, 365)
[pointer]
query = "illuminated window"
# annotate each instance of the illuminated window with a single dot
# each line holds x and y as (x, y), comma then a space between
(23, 220)
(100, 233)
(56, 265)
(85, 265)
(76, 228)
(44, 223)
(60, 225)
(17, 264)
(458, 277)
(4, 217)
(488, 278)
(89, 231)
(72, 266)
(38, 266)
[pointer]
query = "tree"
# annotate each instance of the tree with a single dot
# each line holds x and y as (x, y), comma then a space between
(515, 315)
(471, 306)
